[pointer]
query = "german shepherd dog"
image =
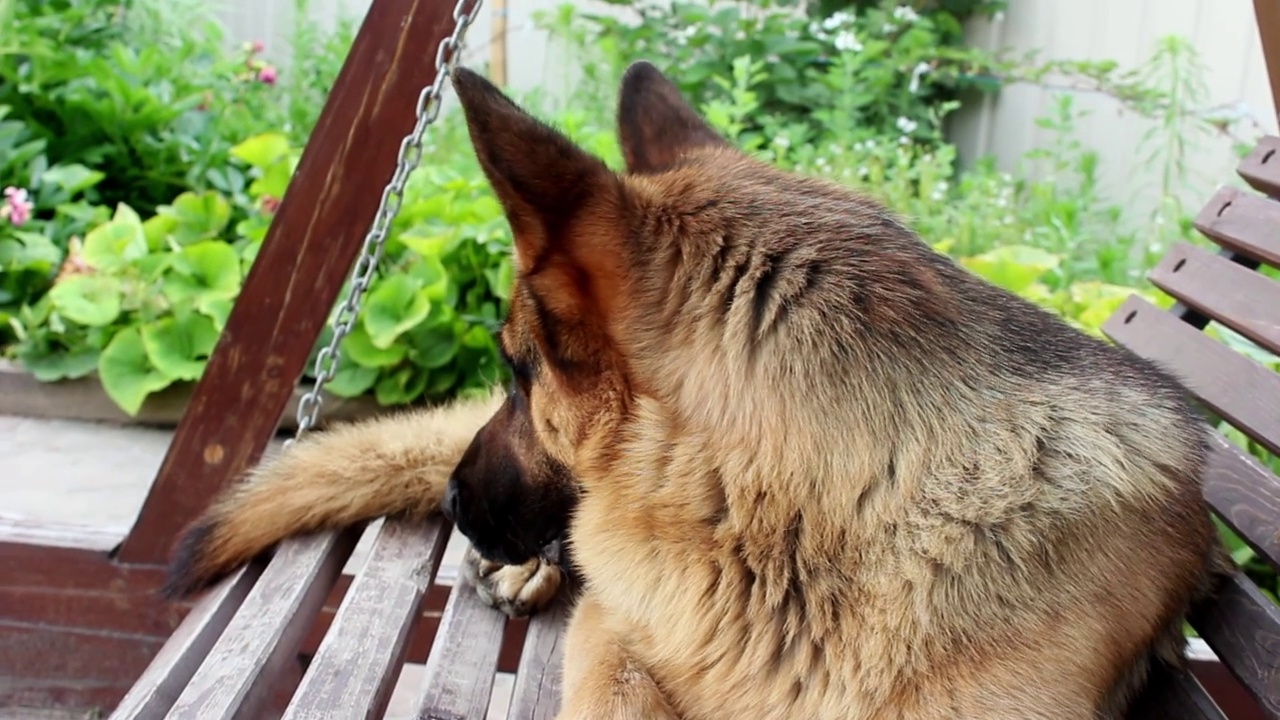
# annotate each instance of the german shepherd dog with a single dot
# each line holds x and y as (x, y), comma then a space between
(805, 466)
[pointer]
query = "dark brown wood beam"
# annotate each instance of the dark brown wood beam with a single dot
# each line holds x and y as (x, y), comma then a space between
(304, 261)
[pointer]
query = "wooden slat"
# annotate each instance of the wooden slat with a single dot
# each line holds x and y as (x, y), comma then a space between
(537, 691)
(1261, 167)
(237, 677)
(359, 660)
(464, 657)
(1242, 299)
(1246, 496)
(162, 682)
(1243, 223)
(305, 260)
(1174, 694)
(1228, 383)
(1243, 628)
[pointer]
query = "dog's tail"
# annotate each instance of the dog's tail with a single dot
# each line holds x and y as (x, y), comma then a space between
(392, 465)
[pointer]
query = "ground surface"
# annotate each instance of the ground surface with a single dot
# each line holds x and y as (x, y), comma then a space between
(97, 475)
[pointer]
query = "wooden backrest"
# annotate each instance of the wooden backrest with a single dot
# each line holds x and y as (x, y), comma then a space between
(1226, 289)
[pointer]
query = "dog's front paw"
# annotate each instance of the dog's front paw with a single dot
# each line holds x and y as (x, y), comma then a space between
(517, 590)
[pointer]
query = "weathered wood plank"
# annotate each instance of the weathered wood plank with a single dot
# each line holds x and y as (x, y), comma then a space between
(236, 679)
(1243, 628)
(1175, 694)
(537, 692)
(305, 259)
(1243, 223)
(155, 692)
(1261, 167)
(356, 666)
(1242, 299)
(464, 657)
(1228, 383)
(1245, 495)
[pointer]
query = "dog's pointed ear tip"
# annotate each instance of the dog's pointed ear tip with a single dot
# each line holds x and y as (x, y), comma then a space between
(642, 73)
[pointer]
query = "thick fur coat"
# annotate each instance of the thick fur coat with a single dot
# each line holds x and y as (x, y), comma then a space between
(805, 466)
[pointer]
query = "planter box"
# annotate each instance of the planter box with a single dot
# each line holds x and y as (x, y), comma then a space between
(84, 399)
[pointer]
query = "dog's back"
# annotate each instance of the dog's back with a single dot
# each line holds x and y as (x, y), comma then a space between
(905, 492)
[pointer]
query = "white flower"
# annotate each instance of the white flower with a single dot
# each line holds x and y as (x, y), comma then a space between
(838, 19)
(782, 141)
(846, 41)
(888, 28)
(907, 125)
(905, 13)
(917, 73)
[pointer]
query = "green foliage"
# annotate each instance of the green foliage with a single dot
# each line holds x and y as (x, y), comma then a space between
(876, 67)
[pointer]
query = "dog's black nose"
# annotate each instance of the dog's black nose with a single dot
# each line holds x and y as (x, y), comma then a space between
(449, 504)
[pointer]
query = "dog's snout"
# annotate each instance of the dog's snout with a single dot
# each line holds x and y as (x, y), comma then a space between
(449, 504)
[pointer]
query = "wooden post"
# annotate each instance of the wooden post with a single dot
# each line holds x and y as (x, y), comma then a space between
(304, 261)
(1268, 15)
(498, 44)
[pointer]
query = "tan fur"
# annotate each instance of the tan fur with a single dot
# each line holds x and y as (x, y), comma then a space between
(821, 471)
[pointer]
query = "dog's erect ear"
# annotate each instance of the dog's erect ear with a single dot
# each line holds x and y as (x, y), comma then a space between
(565, 209)
(542, 179)
(656, 125)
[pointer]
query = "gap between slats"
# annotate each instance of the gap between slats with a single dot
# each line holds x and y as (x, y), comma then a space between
(355, 668)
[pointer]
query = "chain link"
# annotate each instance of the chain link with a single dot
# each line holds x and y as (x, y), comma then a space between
(366, 266)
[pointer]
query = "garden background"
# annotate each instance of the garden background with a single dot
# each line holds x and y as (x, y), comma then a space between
(1055, 148)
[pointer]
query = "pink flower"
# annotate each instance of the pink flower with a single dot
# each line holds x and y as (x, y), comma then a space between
(17, 206)
(270, 204)
(267, 75)
(257, 47)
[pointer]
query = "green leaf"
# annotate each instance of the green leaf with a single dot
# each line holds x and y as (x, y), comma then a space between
(179, 346)
(262, 150)
(73, 178)
(92, 300)
(435, 346)
(500, 280)
(61, 366)
(117, 242)
(206, 270)
(352, 380)
(126, 374)
(198, 216)
(394, 306)
(362, 350)
(400, 387)
(1013, 267)
(217, 309)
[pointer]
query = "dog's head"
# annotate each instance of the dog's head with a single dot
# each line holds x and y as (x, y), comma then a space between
(566, 337)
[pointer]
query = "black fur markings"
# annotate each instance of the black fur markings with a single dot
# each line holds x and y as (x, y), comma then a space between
(187, 574)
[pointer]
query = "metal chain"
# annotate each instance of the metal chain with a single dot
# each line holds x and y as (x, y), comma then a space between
(362, 274)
